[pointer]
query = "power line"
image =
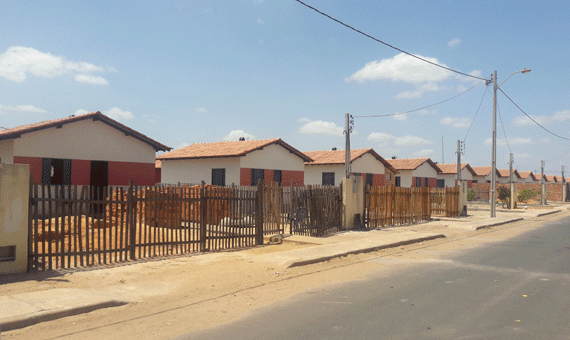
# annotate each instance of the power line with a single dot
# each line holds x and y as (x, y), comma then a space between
(394, 47)
(545, 129)
(473, 121)
(503, 127)
(421, 108)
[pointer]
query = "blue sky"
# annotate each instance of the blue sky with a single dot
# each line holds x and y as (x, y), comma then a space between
(186, 72)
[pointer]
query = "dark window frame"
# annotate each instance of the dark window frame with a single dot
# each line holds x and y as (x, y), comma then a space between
(219, 177)
(328, 178)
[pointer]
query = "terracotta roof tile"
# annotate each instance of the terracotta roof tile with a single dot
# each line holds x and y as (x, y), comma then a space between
(505, 173)
(227, 149)
(452, 168)
(331, 157)
(411, 163)
(482, 170)
(16, 132)
(525, 174)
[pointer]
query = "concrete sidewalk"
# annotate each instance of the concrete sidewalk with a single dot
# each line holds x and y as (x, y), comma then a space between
(25, 309)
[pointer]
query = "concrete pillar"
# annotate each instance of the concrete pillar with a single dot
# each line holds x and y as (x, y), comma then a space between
(352, 201)
(14, 199)
(462, 198)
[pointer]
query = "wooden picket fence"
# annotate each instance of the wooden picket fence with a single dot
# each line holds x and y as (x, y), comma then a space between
(71, 226)
(390, 205)
(445, 202)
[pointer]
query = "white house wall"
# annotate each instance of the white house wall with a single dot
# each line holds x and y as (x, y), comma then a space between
(7, 151)
(405, 178)
(368, 164)
(314, 173)
(195, 171)
(449, 179)
(425, 170)
(85, 139)
(272, 157)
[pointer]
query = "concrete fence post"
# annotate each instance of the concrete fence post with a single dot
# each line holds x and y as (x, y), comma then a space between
(14, 205)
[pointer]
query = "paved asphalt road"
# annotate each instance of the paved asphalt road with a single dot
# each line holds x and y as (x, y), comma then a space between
(517, 289)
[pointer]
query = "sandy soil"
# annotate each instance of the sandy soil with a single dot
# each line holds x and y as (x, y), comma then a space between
(181, 294)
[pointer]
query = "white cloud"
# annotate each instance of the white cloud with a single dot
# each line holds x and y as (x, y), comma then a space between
(303, 120)
(427, 112)
(454, 42)
(18, 61)
(512, 141)
(409, 140)
(423, 153)
(389, 152)
(87, 78)
(260, 22)
(320, 127)
(202, 110)
(20, 108)
(381, 138)
(557, 117)
(401, 117)
(429, 87)
(118, 114)
(456, 122)
(81, 112)
(401, 67)
(237, 134)
(183, 145)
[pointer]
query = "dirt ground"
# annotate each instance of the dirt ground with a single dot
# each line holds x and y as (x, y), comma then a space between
(182, 294)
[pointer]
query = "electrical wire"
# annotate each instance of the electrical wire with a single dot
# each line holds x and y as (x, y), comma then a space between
(384, 43)
(473, 121)
(421, 108)
(529, 117)
(503, 127)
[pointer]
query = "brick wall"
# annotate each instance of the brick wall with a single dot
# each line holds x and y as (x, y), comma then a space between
(553, 190)
(378, 180)
(245, 176)
(432, 182)
(297, 176)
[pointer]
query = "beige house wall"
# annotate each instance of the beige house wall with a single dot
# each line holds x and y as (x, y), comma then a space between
(85, 139)
(353, 200)
(272, 157)
(14, 198)
(7, 151)
(314, 173)
(196, 170)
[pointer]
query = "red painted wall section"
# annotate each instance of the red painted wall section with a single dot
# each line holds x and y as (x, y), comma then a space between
(432, 182)
(267, 175)
(297, 176)
(469, 184)
(245, 176)
(35, 166)
(158, 175)
(141, 173)
(413, 182)
(80, 171)
(378, 180)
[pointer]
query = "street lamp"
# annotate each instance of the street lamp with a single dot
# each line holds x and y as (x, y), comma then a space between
(494, 157)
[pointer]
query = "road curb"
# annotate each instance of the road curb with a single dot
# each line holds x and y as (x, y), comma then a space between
(548, 213)
(498, 223)
(298, 263)
(8, 324)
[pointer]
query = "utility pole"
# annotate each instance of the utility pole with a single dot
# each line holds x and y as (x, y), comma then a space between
(542, 185)
(347, 130)
(512, 185)
(494, 153)
(563, 186)
(458, 163)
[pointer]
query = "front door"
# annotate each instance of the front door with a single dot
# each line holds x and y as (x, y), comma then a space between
(98, 181)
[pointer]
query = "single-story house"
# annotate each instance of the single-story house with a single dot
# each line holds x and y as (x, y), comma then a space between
(158, 171)
(415, 172)
(328, 167)
(504, 177)
(539, 178)
(242, 162)
(483, 174)
(551, 178)
(447, 178)
(526, 177)
(89, 149)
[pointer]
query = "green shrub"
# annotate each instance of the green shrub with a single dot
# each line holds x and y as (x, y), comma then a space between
(503, 194)
(471, 195)
(526, 194)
